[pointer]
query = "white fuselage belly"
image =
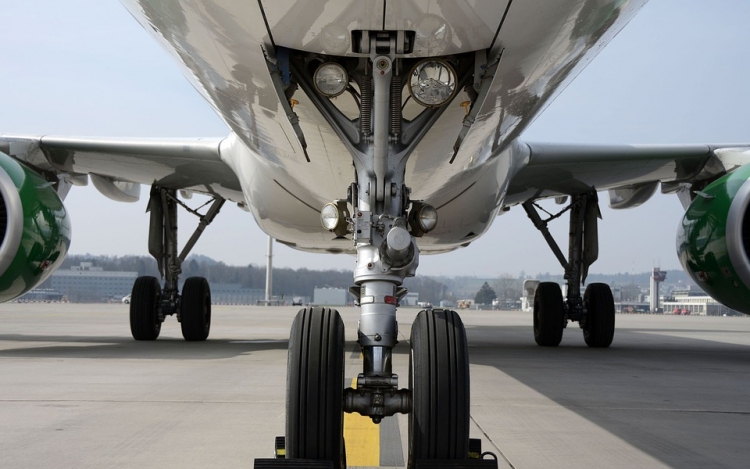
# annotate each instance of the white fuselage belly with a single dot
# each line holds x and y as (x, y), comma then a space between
(544, 44)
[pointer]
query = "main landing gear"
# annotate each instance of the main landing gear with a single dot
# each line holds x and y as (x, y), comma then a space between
(595, 311)
(150, 303)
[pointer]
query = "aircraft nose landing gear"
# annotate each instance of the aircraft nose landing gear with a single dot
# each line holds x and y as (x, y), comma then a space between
(383, 224)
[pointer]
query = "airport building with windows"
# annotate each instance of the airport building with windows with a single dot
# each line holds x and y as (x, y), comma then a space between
(235, 294)
(695, 303)
(86, 283)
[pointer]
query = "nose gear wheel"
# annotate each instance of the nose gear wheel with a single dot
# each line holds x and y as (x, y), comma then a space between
(439, 380)
(315, 385)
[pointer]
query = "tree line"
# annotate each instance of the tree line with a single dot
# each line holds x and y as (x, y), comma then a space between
(302, 282)
(287, 282)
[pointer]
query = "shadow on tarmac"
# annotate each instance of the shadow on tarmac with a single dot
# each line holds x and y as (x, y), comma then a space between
(126, 348)
(680, 400)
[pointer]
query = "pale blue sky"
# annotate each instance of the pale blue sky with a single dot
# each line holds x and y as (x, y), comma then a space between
(677, 74)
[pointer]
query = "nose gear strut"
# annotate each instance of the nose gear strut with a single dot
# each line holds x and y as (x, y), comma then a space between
(383, 233)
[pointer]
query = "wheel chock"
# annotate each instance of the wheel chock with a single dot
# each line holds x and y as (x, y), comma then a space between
(475, 448)
(280, 447)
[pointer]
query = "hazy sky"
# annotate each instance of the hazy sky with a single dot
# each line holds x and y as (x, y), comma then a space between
(678, 73)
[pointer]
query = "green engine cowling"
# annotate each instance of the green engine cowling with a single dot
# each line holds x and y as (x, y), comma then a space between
(713, 241)
(34, 229)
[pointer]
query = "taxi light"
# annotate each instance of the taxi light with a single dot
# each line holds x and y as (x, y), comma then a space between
(432, 82)
(331, 79)
(422, 218)
(427, 218)
(334, 217)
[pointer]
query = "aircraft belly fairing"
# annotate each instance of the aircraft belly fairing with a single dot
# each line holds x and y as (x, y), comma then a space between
(222, 46)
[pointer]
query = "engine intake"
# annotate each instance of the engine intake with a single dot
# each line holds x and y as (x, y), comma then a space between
(34, 229)
(713, 241)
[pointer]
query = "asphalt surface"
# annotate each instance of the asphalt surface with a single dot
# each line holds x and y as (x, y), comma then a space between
(77, 392)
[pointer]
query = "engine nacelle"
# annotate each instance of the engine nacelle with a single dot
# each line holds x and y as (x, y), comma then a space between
(34, 229)
(713, 241)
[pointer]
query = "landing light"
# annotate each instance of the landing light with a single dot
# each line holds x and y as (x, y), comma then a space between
(331, 79)
(432, 82)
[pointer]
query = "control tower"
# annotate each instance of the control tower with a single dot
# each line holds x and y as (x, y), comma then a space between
(657, 277)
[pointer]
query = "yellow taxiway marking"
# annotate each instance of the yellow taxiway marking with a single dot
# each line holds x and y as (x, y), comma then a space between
(362, 439)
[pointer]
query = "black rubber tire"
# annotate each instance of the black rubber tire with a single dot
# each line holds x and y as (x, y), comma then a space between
(600, 315)
(144, 301)
(195, 309)
(549, 314)
(439, 381)
(315, 387)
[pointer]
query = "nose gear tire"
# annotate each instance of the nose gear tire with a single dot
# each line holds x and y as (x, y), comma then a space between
(439, 381)
(315, 385)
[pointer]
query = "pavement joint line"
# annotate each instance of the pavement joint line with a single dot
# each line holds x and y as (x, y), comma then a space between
(492, 442)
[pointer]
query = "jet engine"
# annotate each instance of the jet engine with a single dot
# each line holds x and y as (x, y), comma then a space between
(34, 229)
(713, 240)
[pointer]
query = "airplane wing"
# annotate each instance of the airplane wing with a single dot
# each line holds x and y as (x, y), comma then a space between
(630, 173)
(117, 166)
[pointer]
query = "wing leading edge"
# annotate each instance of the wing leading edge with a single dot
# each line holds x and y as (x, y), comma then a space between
(194, 165)
(631, 173)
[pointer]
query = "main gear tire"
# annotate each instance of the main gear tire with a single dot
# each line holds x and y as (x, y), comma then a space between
(145, 323)
(195, 309)
(549, 314)
(599, 329)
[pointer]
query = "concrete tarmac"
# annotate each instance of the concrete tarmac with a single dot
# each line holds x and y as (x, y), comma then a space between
(77, 392)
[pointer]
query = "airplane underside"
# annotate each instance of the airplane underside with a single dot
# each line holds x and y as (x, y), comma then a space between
(368, 101)
(387, 132)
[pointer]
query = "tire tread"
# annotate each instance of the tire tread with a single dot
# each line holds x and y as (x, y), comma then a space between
(549, 314)
(144, 298)
(439, 423)
(600, 323)
(315, 385)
